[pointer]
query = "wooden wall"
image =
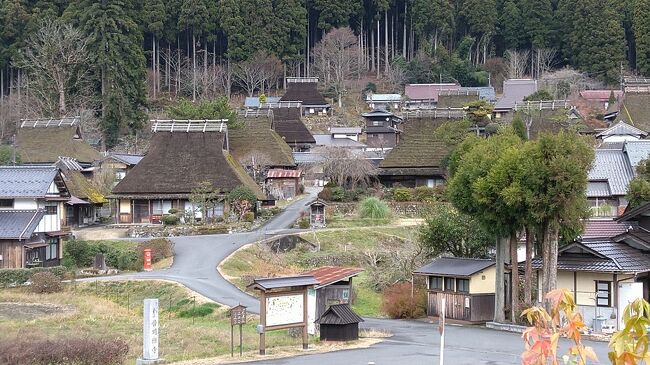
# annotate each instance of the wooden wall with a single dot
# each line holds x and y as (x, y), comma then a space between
(12, 254)
(462, 306)
(331, 294)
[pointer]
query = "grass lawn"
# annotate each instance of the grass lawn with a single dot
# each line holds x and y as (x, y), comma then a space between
(337, 247)
(114, 309)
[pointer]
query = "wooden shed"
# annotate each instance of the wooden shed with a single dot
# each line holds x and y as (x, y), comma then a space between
(466, 283)
(339, 323)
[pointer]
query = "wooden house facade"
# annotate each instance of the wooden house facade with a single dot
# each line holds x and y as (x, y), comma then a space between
(382, 129)
(32, 216)
(304, 90)
(468, 286)
(182, 156)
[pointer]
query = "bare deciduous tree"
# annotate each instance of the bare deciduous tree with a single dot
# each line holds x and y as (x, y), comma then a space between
(336, 59)
(545, 59)
(346, 168)
(58, 64)
(257, 72)
(256, 162)
(517, 63)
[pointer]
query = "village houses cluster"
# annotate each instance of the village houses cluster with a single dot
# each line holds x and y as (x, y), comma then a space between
(51, 191)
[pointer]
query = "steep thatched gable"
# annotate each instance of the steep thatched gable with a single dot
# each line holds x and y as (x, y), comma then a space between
(255, 135)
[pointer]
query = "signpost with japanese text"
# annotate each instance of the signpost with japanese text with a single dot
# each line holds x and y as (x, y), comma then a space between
(150, 333)
(237, 317)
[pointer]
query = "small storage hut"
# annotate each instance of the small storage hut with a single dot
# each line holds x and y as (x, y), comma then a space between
(339, 323)
(317, 213)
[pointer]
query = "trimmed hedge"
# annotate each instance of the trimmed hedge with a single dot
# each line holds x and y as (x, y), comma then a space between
(120, 255)
(14, 277)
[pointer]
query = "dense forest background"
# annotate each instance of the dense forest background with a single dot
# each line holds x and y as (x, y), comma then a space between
(115, 59)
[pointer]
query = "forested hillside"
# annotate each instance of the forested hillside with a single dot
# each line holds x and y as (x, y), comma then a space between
(117, 57)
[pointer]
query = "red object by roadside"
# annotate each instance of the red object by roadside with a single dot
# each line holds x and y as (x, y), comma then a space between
(147, 259)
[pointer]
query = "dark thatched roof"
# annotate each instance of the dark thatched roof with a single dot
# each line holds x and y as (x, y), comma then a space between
(255, 134)
(307, 92)
(552, 121)
(418, 148)
(635, 111)
(177, 162)
(456, 100)
(45, 145)
(287, 123)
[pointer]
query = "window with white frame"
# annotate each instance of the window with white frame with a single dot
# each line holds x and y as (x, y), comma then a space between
(603, 293)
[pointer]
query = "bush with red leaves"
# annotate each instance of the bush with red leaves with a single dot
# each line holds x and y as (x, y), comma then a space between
(77, 351)
(398, 303)
(45, 283)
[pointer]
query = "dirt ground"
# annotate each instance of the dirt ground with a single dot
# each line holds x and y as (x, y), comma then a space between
(29, 311)
(99, 233)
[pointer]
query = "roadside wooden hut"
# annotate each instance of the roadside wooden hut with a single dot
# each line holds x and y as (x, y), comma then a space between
(339, 323)
(317, 213)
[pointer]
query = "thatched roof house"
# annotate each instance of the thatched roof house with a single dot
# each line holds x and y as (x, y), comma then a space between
(255, 136)
(43, 141)
(287, 123)
(305, 91)
(419, 157)
(182, 155)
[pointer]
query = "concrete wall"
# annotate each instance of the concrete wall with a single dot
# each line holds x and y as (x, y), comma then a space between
(25, 204)
(483, 281)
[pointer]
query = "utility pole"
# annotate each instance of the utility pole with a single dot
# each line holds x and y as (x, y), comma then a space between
(13, 149)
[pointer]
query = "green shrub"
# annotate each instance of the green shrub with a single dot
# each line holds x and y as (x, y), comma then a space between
(45, 282)
(13, 277)
(425, 194)
(170, 220)
(249, 217)
(173, 211)
(402, 194)
(80, 252)
(199, 311)
(303, 223)
(338, 194)
(374, 208)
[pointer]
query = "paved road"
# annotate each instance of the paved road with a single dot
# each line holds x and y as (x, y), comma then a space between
(416, 343)
(412, 343)
(197, 257)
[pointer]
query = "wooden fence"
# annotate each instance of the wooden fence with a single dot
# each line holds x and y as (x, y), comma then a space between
(462, 306)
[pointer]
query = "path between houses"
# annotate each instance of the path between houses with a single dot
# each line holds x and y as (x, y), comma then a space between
(413, 342)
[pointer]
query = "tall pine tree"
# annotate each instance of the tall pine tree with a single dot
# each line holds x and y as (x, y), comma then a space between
(641, 26)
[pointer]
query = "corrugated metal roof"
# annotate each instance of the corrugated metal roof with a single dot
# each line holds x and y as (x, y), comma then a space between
(637, 151)
(385, 97)
(515, 90)
(486, 93)
(26, 181)
(603, 228)
(622, 129)
(127, 159)
(328, 140)
(427, 91)
(281, 173)
(454, 266)
(282, 282)
(307, 157)
(19, 224)
(327, 275)
(345, 130)
(613, 167)
(339, 314)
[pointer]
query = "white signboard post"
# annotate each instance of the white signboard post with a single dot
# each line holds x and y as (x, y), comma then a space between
(150, 333)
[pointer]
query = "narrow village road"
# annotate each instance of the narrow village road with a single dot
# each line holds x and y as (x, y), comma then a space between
(412, 343)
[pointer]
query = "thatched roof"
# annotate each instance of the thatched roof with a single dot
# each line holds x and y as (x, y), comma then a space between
(635, 111)
(255, 134)
(287, 123)
(306, 92)
(552, 121)
(46, 144)
(81, 188)
(178, 161)
(418, 149)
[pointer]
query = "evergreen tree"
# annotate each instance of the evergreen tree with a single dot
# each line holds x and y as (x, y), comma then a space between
(537, 20)
(335, 13)
(641, 26)
(116, 45)
(511, 25)
(433, 19)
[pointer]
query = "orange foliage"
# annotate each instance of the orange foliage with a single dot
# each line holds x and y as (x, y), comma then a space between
(541, 339)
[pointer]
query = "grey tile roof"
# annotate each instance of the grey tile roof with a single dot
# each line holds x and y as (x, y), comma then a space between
(26, 181)
(598, 189)
(19, 224)
(601, 255)
(622, 129)
(613, 167)
(307, 157)
(515, 90)
(281, 282)
(454, 266)
(328, 140)
(637, 151)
